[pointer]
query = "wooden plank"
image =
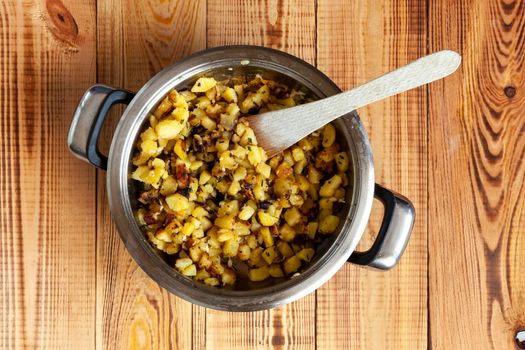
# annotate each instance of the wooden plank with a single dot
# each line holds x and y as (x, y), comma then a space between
(199, 327)
(284, 25)
(47, 202)
(288, 26)
(477, 118)
(357, 41)
(134, 43)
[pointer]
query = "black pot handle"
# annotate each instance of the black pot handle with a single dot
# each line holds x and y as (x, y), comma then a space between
(393, 235)
(88, 119)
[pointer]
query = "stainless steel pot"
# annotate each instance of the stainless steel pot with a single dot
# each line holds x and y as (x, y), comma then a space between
(224, 62)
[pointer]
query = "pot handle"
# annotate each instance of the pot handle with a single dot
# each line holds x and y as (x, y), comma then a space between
(88, 119)
(393, 235)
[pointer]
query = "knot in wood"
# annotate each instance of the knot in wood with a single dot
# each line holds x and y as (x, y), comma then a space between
(510, 91)
(61, 22)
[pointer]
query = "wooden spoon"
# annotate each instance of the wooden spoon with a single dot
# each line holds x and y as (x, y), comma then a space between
(278, 130)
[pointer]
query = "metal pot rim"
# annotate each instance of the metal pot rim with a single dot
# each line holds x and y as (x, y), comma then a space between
(134, 239)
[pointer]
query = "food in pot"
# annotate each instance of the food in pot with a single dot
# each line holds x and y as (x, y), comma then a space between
(212, 199)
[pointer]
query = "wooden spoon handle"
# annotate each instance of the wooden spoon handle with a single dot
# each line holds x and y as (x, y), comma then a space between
(300, 121)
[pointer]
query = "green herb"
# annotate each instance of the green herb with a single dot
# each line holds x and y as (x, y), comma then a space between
(249, 148)
(250, 140)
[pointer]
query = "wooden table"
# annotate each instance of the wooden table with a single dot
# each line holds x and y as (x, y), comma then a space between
(455, 148)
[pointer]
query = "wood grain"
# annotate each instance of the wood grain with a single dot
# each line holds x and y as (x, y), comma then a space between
(284, 25)
(477, 118)
(288, 26)
(47, 203)
(357, 41)
(133, 312)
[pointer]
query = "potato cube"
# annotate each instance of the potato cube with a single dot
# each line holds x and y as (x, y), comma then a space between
(311, 229)
(328, 224)
(187, 229)
(226, 161)
(256, 255)
(292, 216)
(269, 255)
(225, 235)
(305, 144)
(228, 277)
(259, 193)
(188, 95)
(287, 233)
(201, 102)
(287, 158)
(329, 187)
(202, 275)
(203, 84)
(266, 236)
(163, 235)
(248, 137)
(149, 147)
(254, 155)
(251, 241)
(181, 114)
(281, 187)
(299, 166)
(314, 176)
(328, 135)
(306, 254)
(169, 186)
(212, 281)
(266, 219)
(326, 203)
(291, 265)
(229, 95)
(340, 193)
(239, 174)
(285, 249)
(164, 107)
(230, 247)
(179, 149)
(297, 154)
(149, 134)
(222, 145)
(195, 253)
(168, 129)
(244, 252)
(234, 188)
(276, 271)
(264, 169)
(208, 123)
(199, 212)
(205, 261)
(205, 224)
(190, 270)
(204, 177)
(259, 274)
(177, 202)
(284, 170)
(225, 222)
(342, 161)
(216, 266)
(246, 212)
(182, 263)
(239, 152)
